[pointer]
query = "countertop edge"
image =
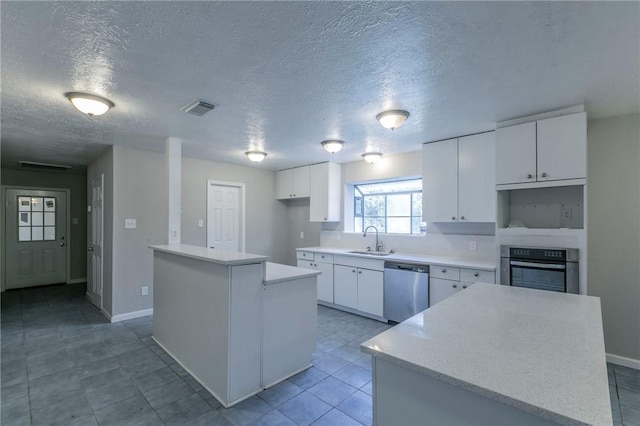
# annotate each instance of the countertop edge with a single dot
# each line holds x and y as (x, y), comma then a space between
(512, 402)
(308, 273)
(247, 261)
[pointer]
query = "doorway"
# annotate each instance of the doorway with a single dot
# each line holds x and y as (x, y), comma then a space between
(36, 243)
(95, 268)
(225, 215)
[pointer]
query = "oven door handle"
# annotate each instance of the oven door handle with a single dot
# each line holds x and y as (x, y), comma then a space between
(537, 265)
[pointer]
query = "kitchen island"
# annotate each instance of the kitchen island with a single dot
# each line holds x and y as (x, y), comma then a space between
(494, 355)
(215, 311)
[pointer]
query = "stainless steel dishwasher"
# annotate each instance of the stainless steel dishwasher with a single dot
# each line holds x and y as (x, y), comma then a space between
(406, 290)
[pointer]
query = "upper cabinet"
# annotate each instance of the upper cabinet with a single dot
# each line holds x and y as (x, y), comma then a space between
(324, 201)
(458, 179)
(552, 149)
(293, 183)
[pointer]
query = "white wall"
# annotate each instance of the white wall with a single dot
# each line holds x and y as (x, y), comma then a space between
(266, 217)
(614, 229)
(104, 165)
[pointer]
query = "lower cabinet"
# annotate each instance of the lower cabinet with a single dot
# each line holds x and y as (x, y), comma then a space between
(325, 279)
(446, 281)
(359, 288)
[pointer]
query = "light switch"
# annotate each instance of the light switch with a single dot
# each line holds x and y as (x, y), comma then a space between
(129, 223)
(200, 223)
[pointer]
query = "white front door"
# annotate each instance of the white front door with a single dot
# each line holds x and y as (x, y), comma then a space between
(225, 216)
(36, 237)
(95, 249)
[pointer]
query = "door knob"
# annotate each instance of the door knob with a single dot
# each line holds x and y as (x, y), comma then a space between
(461, 217)
(61, 244)
(90, 249)
(453, 218)
(529, 176)
(543, 175)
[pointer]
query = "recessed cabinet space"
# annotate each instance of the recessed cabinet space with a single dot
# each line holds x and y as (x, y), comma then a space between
(324, 202)
(323, 263)
(293, 183)
(552, 149)
(458, 179)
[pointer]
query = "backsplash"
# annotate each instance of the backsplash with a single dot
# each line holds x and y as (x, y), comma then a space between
(451, 245)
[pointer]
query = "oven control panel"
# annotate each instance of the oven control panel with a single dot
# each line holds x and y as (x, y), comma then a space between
(538, 254)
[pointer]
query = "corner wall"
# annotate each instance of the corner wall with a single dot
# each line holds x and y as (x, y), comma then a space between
(614, 229)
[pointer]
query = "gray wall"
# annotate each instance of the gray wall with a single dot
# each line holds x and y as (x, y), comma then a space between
(77, 183)
(104, 165)
(140, 192)
(614, 229)
(297, 222)
(266, 217)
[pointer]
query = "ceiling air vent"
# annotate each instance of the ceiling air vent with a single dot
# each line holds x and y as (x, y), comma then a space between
(43, 166)
(198, 107)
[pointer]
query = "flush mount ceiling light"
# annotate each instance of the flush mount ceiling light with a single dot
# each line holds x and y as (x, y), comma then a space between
(89, 104)
(332, 145)
(371, 157)
(256, 156)
(392, 119)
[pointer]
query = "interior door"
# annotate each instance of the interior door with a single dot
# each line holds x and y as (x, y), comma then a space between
(224, 217)
(97, 236)
(36, 237)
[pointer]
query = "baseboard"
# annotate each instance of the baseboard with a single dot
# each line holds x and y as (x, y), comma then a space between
(130, 315)
(624, 361)
(77, 280)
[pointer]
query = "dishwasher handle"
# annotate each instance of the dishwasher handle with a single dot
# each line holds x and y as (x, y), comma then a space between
(423, 269)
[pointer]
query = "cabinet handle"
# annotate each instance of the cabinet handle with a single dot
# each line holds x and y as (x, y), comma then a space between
(475, 274)
(354, 271)
(464, 286)
(453, 218)
(322, 256)
(359, 272)
(461, 217)
(444, 271)
(529, 176)
(455, 285)
(543, 175)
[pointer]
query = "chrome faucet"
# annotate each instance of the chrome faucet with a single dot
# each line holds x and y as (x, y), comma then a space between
(378, 242)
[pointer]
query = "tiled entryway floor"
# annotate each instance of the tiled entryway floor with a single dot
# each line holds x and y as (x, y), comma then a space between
(64, 364)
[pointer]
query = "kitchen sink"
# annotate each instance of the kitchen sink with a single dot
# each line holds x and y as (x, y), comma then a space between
(370, 253)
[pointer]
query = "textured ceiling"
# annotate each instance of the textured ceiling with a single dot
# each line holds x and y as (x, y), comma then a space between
(286, 75)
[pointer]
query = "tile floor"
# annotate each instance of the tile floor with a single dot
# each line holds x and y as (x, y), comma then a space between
(64, 364)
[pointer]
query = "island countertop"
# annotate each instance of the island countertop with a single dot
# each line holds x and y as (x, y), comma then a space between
(276, 272)
(538, 351)
(222, 257)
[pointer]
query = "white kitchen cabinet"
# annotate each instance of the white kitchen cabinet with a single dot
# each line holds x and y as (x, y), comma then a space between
(324, 264)
(370, 291)
(445, 281)
(440, 289)
(458, 179)
(324, 184)
(545, 150)
(346, 286)
(293, 183)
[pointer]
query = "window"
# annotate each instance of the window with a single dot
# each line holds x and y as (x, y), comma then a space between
(36, 218)
(392, 207)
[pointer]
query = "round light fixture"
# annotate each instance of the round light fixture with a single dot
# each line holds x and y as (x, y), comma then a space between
(392, 119)
(256, 156)
(89, 104)
(332, 145)
(371, 157)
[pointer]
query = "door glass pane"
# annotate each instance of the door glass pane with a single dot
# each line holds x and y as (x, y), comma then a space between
(36, 219)
(24, 219)
(49, 204)
(24, 234)
(49, 233)
(24, 204)
(49, 219)
(36, 233)
(36, 204)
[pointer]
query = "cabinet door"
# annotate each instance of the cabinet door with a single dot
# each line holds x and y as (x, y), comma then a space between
(440, 181)
(477, 178)
(562, 147)
(325, 282)
(345, 286)
(324, 193)
(285, 184)
(305, 264)
(516, 154)
(300, 182)
(440, 289)
(370, 291)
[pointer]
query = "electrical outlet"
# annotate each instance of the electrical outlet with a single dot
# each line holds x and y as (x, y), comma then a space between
(301, 235)
(129, 223)
(567, 214)
(200, 223)
(473, 245)
(144, 290)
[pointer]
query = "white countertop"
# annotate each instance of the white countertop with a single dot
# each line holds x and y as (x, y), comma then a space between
(222, 257)
(540, 351)
(412, 258)
(275, 273)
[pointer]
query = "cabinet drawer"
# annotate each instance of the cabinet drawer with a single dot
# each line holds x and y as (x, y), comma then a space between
(473, 275)
(358, 262)
(323, 257)
(445, 272)
(305, 255)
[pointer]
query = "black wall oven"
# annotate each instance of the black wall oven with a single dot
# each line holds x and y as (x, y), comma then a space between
(554, 269)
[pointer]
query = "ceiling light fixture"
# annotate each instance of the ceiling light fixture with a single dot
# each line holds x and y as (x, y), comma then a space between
(392, 119)
(89, 104)
(371, 157)
(332, 145)
(256, 156)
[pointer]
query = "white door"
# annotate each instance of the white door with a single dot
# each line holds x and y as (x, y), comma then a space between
(516, 154)
(562, 147)
(225, 216)
(95, 249)
(36, 237)
(440, 181)
(477, 178)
